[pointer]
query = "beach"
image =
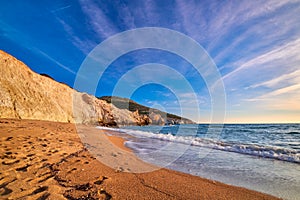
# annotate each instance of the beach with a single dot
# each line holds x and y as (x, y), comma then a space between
(47, 160)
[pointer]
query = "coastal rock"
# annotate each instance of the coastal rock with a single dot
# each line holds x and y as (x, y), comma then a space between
(28, 95)
(156, 118)
(25, 94)
(146, 115)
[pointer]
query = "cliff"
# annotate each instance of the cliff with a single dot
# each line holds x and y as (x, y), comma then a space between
(25, 94)
(156, 116)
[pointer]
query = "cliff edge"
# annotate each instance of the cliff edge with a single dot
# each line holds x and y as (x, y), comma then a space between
(25, 94)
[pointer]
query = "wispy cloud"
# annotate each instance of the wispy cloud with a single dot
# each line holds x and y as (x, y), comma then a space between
(281, 91)
(289, 78)
(269, 81)
(265, 40)
(126, 16)
(283, 99)
(287, 55)
(61, 8)
(188, 12)
(238, 32)
(221, 19)
(17, 36)
(101, 24)
(85, 45)
(230, 17)
(38, 51)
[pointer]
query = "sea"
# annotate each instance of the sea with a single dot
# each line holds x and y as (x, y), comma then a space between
(261, 157)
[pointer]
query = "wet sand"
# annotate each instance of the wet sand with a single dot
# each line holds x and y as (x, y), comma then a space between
(47, 160)
(119, 142)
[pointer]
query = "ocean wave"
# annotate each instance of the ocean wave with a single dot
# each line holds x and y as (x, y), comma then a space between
(110, 129)
(293, 133)
(272, 152)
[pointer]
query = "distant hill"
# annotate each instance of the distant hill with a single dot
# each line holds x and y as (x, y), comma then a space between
(125, 103)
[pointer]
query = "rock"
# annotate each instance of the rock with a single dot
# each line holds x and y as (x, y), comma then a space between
(156, 118)
(25, 94)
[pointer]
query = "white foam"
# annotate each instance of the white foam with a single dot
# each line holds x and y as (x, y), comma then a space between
(250, 149)
(109, 128)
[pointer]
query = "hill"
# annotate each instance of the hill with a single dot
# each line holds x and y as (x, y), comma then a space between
(124, 103)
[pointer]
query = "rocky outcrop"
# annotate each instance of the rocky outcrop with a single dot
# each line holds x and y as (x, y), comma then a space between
(156, 118)
(25, 94)
(28, 95)
(150, 115)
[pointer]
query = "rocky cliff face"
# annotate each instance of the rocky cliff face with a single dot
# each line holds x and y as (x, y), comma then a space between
(151, 115)
(25, 94)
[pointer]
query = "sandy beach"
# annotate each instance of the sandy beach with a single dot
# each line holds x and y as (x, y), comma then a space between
(47, 160)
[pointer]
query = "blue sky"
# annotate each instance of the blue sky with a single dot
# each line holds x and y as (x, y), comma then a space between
(254, 44)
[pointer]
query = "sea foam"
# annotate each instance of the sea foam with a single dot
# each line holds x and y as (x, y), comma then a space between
(272, 152)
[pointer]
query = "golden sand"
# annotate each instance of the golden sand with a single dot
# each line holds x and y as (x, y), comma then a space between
(46, 160)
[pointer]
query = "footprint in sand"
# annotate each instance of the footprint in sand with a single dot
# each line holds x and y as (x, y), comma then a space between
(39, 190)
(23, 169)
(4, 190)
(29, 180)
(45, 176)
(8, 156)
(10, 162)
(72, 170)
(9, 138)
(44, 196)
(100, 180)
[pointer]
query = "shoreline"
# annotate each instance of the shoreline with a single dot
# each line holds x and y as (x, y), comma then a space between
(118, 141)
(42, 159)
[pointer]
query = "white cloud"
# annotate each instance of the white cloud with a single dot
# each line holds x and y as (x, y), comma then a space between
(288, 54)
(222, 19)
(126, 16)
(101, 24)
(293, 77)
(233, 15)
(151, 16)
(84, 45)
(283, 99)
(293, 88)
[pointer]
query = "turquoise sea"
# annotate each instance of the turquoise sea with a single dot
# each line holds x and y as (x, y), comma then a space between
(261, 157)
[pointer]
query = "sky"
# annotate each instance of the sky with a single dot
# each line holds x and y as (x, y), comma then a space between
(254, 45)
